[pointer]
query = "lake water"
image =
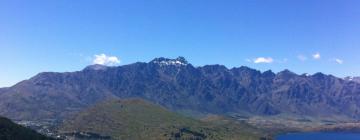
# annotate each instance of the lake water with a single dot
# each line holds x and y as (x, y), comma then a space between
(320, 136)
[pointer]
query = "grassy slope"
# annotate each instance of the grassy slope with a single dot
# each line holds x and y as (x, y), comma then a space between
(136, 119)
(12, 131)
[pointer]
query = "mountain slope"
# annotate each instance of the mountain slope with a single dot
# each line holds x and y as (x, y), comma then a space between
(137, 119)
(12, 131)
(2, 90)
(177, 85)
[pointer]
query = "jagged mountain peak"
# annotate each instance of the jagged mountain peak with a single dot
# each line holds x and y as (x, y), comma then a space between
(245, 69)
(319, 75)
(287, 71)
(96, 67)
(215, 66)
(286, 74)
(179, 61)
(268, 73)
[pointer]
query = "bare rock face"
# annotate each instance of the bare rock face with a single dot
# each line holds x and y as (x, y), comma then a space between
(177, 85)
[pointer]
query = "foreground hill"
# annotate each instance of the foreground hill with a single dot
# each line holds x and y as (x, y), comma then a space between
(136, 119)
(12, 131)
(179, 86)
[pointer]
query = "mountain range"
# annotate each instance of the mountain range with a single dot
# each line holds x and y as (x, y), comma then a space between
(179, 86)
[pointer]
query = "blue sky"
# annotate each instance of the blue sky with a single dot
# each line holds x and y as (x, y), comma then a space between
(65, 35)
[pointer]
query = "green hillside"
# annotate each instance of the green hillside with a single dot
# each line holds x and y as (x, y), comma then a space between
(12, 131)
(135, 119)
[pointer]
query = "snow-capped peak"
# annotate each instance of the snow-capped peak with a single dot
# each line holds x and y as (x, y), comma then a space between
(349, 78)
(352, 79)
(306, 74)
(180, 61)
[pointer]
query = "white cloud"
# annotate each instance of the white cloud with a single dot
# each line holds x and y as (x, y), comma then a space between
(316, 56)
(263, 60)
(103, 59)
(339, 61)
(302, 57)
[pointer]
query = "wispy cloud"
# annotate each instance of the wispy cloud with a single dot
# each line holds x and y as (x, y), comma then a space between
(316, 56)
(103, 59)
(339, 61)
(248, 60)
(263, 60)
(302, 57)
